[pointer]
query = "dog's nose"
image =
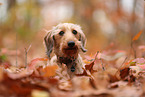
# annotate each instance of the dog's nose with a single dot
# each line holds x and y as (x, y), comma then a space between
(71, 43)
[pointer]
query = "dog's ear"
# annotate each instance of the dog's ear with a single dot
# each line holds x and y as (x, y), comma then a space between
(82, 38)
(48, 40)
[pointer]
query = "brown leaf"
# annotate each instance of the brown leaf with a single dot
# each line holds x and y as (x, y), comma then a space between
(113, 78)
(88, 70)
(1, 74)
(17, 88)
(90, 66)
(124, 73)
(83, 74)
(6, 65)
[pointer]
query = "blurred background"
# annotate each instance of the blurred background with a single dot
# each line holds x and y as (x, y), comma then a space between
(107, 24)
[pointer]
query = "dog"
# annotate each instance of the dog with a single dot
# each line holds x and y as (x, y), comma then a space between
(66, 40)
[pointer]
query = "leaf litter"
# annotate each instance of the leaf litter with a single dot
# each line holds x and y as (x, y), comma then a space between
(110, 73)
(111, 82)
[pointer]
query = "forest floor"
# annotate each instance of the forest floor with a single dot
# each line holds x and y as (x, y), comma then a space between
(108, 73)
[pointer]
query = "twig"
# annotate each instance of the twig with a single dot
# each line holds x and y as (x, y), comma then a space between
(25, 57)
(29, 47)
(96, 55)
(102, 65)
(26, 52)
(16, 50)
(133, 49)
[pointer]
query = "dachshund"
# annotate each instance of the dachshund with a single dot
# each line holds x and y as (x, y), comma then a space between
(66, 40)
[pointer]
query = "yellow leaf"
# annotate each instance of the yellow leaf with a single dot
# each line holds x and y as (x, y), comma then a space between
(39, 93)
(137, 35)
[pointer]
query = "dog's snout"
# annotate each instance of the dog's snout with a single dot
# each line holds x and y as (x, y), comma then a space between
(71, 43)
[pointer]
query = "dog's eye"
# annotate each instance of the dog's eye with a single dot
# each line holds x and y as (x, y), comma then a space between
(74, 32)
(61, 33)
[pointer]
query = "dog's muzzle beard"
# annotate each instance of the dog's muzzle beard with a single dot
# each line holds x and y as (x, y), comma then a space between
(71, 53)
(69, 61)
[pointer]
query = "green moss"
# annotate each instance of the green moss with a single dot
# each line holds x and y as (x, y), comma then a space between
(3, 57)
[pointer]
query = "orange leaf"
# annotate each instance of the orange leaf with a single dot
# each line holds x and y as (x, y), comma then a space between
(137, 35)
(49, 71)
(90, 65)
(128, 63)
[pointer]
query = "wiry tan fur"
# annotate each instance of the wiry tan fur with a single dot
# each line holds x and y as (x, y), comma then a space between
(58, 44)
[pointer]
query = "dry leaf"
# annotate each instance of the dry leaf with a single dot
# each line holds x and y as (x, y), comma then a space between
(38, 93)
(90, 66)
(124, 73)
(50, 71)
(111, 57)
(1, 74)
(33, 66)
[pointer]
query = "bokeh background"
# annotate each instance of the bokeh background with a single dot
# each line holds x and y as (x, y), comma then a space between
(107, 24)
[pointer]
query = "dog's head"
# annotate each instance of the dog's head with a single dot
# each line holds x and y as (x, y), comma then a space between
(66, 39)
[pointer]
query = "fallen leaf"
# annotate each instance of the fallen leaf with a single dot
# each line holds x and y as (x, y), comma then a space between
(129, 63)
(33, 65)
(6, 65)
(135, 70)
(83, 74)
(38, 93)
(117, 84)
(90, 66)
(111, 57)
(1, 74)
(22, 74)
(139, 60)
(141, 66)
(17, 87)
(124, 73)
(50, 71)
(65, 85)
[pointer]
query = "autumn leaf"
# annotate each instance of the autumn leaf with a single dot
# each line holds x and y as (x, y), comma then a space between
(140, 62)
(1, 74)
(6, 65)
(83, 74)
(38, 93)
(50, 70)
(124, 72)
(33, 62)
(90, 66)
(137, 36)
(129, 63)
